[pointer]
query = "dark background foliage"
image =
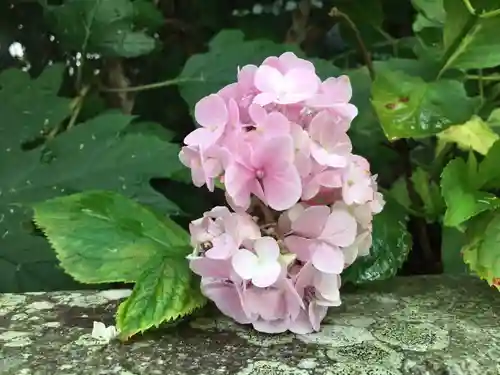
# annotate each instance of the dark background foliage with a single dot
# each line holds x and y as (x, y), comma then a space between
(163, 35)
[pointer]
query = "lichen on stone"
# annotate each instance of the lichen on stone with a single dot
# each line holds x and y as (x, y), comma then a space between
(418, 337)
(271, 368)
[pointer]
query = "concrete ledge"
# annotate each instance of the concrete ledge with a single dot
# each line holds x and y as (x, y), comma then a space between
(419, 326)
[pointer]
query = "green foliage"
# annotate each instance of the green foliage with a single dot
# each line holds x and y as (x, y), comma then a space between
(409, 107)
(470, 36)
(101, 236)
(103, 26)
(481, 252)
(218, 67)
(391, 245)
(94, 154)
(463, 199)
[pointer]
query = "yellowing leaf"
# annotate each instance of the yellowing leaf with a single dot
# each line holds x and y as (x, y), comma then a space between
(166, 290)
(475, 134)
(102, 236)
(482, 253)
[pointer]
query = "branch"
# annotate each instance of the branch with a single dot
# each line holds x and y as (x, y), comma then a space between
(335, 13)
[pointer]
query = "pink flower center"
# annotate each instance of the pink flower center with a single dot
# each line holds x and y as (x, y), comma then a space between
(259, 174)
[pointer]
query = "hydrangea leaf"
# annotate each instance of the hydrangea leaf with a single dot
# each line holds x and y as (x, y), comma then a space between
(475, 135)
(431, 14)
(470, 36)
(166, 290)
(218, 67)
(103, 236)
(463, 200)
(391, 246)
(481, 253)
(429, 193)
(409, 107)
(96, 154)
(489, 174)
(100, 26)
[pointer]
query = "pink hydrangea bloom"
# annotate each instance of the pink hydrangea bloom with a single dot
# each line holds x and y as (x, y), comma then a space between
(302, 202)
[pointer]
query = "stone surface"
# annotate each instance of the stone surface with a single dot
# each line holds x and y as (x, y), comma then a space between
(407, 326)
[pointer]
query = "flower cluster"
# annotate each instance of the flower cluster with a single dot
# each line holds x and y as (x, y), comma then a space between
(277, 140)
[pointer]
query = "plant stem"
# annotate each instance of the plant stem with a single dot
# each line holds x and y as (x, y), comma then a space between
(478, 77)
(78, 107)
(151, 86)
(334, 12)
(266, 211)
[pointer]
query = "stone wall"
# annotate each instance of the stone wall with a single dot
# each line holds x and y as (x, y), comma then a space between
(421, 326)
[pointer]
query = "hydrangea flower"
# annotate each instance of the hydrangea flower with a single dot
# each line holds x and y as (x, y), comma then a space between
(302, 202)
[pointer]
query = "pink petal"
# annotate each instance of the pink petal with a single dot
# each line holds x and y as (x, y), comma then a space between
(246, 77)
(200, 137)
(311, 222)
(301, 85)
(328, 259)
(211, 111)
(346, 110)
(316, 314)
(289, 60)
(328, 286)
(268, 304)
(301, 325)
(268, 79)
(271, 326)
(264, 98)
(238, 182)
(257, 113)
(340, 228)
(283, 188)
(223, 247)
(339, 89)
(227, 299)
(206, 267)
(273, 153)
(245, 263)
(300, 246)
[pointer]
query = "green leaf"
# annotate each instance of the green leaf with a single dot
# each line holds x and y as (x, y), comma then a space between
(228, 50)
(431, 14)
(28, 107)
(429, 193)
(99, 26)
(365, 131)
(463, 200)
(391, 245)
(452, 242)
(399, 192)
(93, 155)
(102, 236)
(488, 176)
(475, 135)
(166, 290)
(409, 107)
(482, 253)
(147, 15)
(470, 37)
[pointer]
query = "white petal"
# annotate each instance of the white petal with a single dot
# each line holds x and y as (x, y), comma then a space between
(267, 248)
(266, 274)
(245, 263)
